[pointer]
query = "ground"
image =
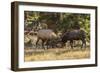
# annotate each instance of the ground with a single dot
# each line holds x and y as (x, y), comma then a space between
(56, 54)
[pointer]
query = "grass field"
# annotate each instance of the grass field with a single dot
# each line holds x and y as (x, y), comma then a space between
(56, 54)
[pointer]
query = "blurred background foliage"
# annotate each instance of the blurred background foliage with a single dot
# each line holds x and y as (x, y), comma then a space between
(58, 22)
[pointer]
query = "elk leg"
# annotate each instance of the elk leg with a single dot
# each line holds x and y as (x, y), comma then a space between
(47, 44)
(37, 42)
(43, 41)
(71, 44)
(83, 43)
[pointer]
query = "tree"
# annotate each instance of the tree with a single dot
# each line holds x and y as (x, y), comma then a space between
(60, 21)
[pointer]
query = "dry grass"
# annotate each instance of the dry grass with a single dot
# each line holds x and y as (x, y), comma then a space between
(33, 54)
(56, 54)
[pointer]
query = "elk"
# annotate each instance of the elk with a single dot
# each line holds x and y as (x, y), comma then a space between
(45, 35)
(74, 35)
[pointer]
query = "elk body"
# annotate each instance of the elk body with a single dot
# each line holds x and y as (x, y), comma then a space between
(45, 35)
(74, 35)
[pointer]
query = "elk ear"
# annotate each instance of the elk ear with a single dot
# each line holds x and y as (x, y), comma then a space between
(35, 33)
(59, 40)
